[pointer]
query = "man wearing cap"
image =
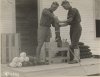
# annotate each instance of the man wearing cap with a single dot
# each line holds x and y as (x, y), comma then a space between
(73, 19)
(44, 32)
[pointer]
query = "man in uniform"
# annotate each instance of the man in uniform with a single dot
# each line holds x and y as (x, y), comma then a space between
(73, 20)
(44, 32)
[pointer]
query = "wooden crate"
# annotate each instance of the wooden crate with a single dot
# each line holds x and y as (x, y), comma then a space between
(57, 60)
(52, 50)
(10, 47)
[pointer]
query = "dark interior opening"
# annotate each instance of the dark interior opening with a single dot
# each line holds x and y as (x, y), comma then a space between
(27, 24)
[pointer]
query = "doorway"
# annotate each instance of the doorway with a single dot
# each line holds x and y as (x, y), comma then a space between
(27, 24)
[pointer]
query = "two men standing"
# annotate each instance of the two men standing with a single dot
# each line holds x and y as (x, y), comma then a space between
(48, 19)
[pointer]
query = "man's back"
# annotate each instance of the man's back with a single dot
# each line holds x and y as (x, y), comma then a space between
(47, 18)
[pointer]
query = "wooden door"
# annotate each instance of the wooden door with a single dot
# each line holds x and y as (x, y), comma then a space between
(27, 24)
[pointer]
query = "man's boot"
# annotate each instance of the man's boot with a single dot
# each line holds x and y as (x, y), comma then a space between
(76, 57)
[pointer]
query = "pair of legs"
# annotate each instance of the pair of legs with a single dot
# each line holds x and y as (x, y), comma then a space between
(43, 36)
(75, 33)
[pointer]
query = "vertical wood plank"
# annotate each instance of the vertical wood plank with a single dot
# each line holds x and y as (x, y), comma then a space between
(17, 44)
(10, 47)
(3, 48)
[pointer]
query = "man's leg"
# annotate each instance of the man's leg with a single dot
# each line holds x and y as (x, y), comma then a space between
(71, 47)
(77, 55)
(75, 40)
(41, 39)
(47, 42)
(38, 50)
(47, 52)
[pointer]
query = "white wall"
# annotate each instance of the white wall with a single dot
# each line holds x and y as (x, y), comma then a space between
(97, 9)
(7, 17)
(86, 9)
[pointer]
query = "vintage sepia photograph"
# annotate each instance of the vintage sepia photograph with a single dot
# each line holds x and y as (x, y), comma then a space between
(49, 38)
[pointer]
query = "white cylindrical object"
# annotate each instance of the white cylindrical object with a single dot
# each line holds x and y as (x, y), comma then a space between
(21, 59)
(12, 64)
(19, 64)
(26, 59)
(15, 60)
(23, 54)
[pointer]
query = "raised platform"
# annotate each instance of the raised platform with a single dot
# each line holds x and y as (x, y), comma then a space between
(86, 67)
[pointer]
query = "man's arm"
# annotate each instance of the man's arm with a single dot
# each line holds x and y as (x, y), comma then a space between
(55, 21)
(69, 19)
(63, 24)
(63, 21)
(71, 16)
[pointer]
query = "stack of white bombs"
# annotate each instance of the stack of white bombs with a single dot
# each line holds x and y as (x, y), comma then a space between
(20, 61)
